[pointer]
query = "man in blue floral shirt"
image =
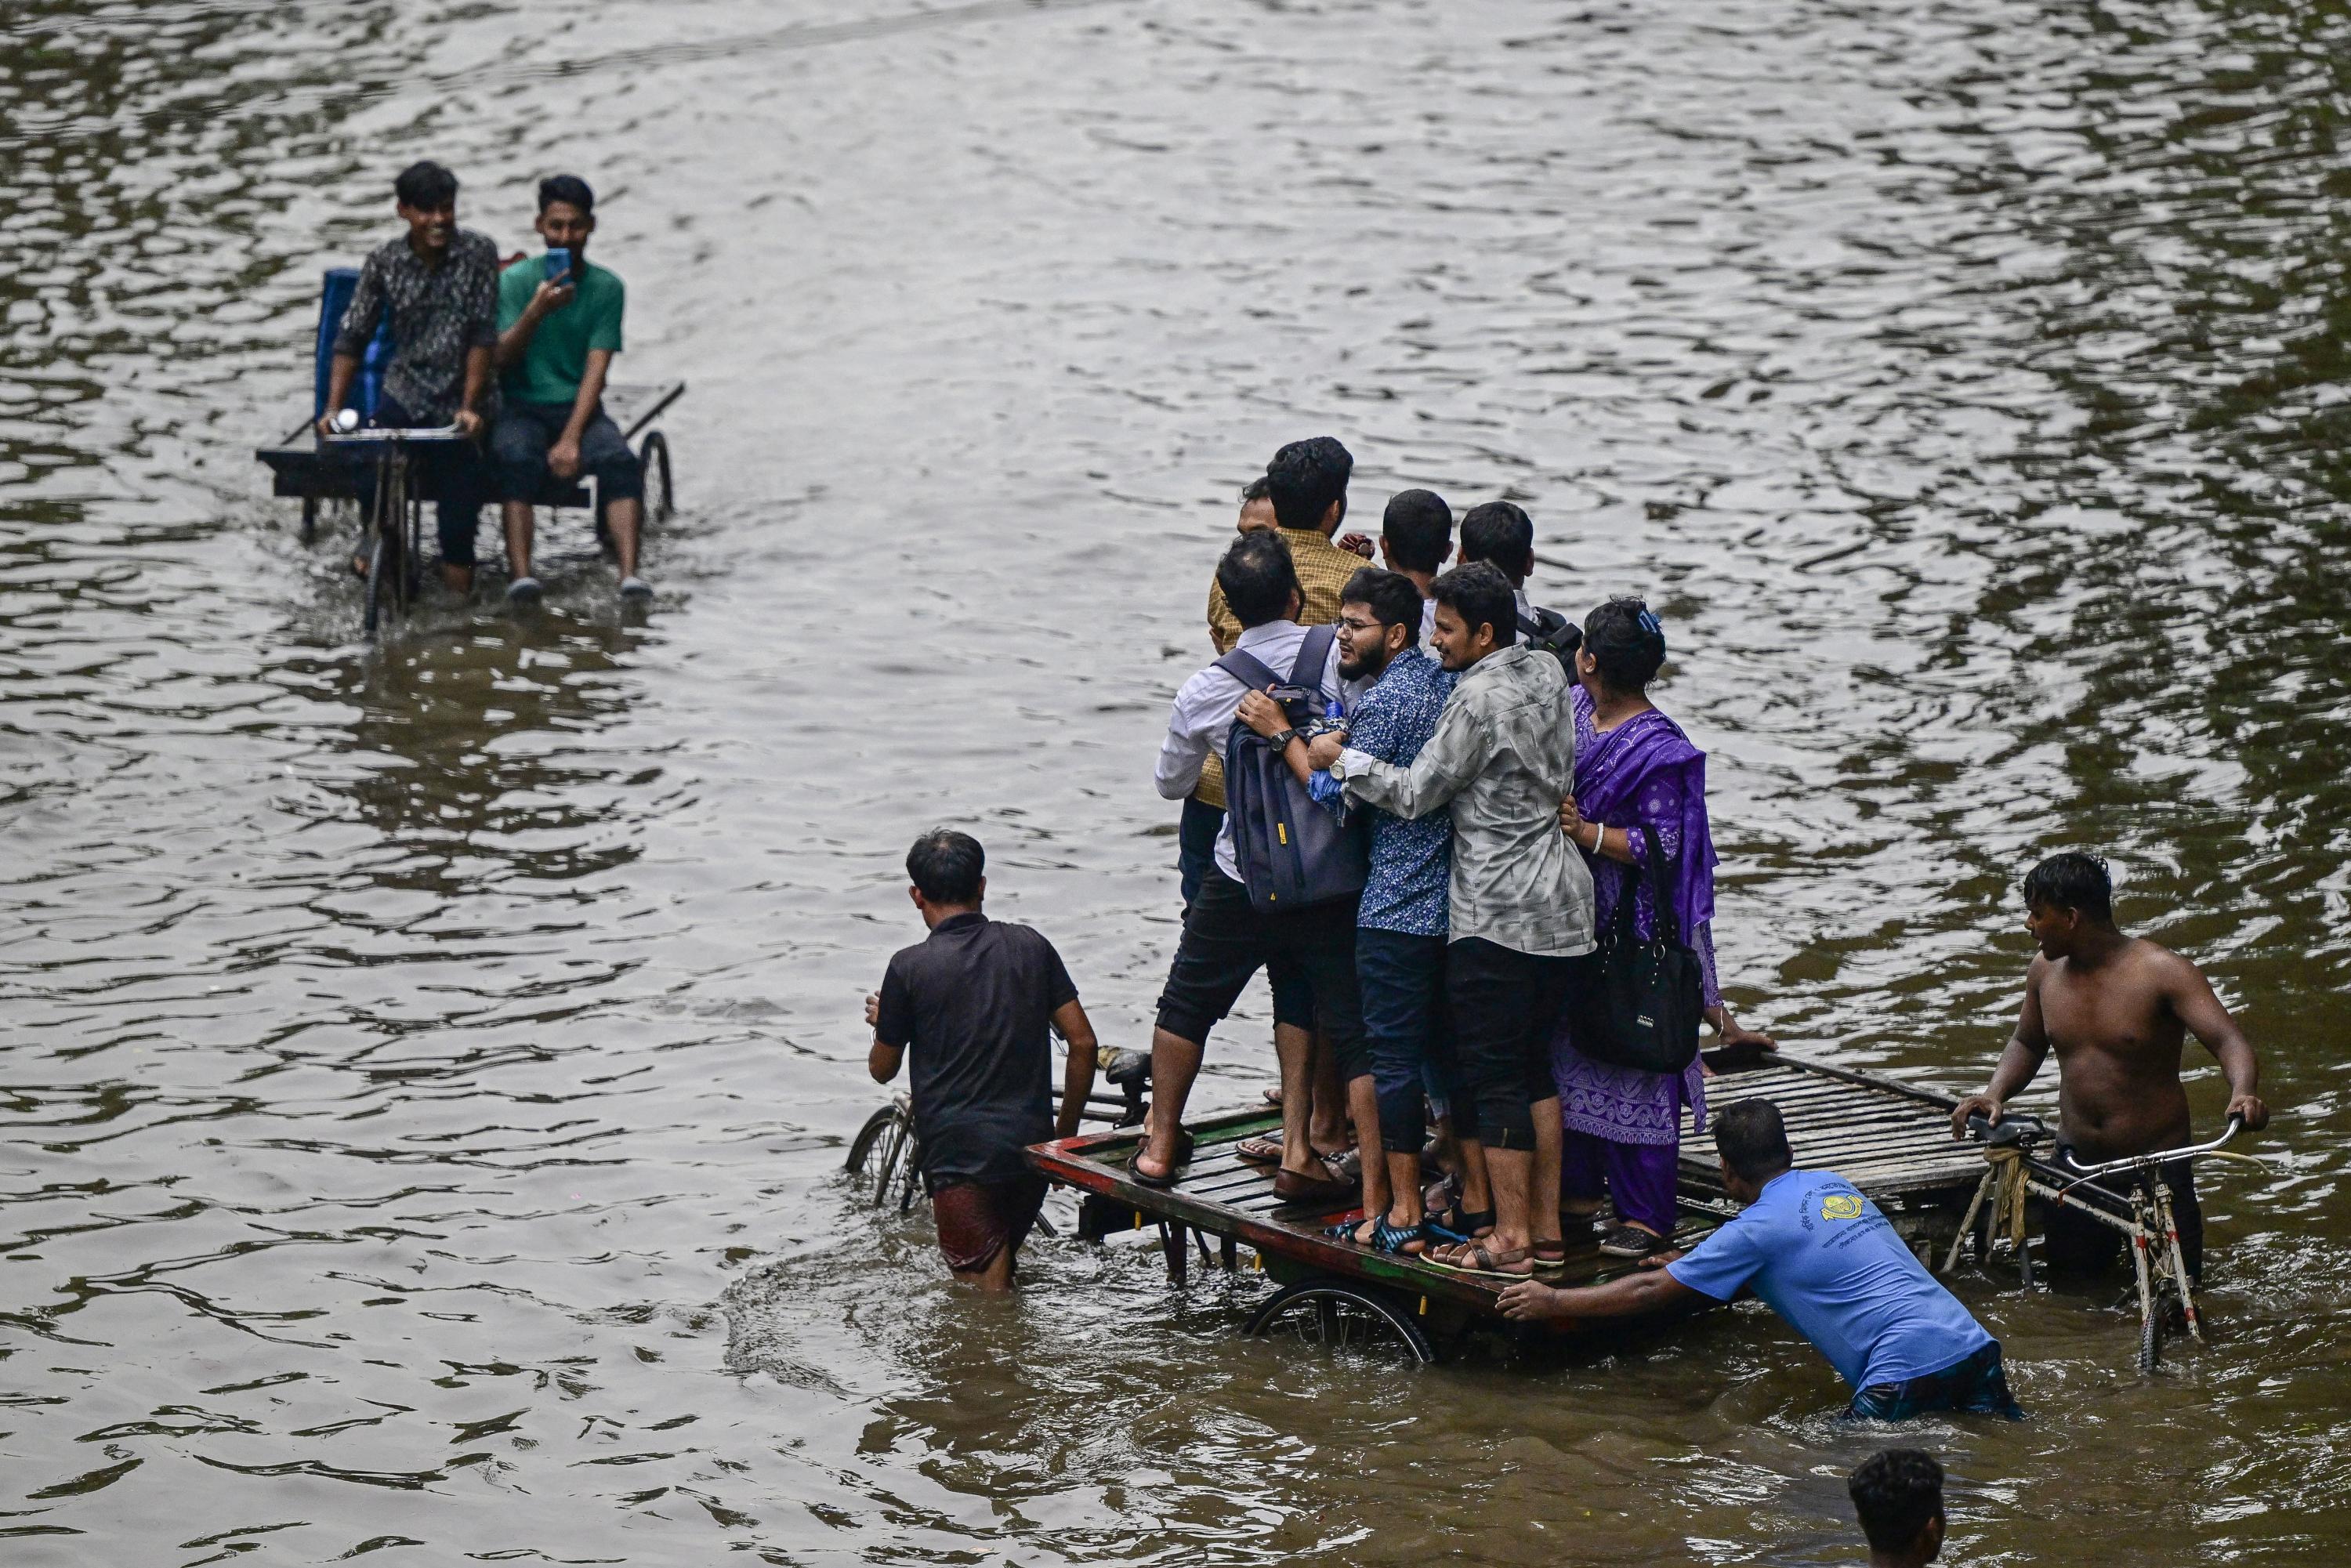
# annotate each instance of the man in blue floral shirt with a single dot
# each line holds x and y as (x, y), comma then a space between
(1401, 924)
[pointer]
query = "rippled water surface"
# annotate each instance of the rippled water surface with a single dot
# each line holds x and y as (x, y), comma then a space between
(426, 1069)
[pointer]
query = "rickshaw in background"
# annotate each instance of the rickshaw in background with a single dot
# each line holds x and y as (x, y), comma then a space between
(373, 468)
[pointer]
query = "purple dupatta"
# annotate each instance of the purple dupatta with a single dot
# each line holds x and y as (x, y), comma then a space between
(1609, 775)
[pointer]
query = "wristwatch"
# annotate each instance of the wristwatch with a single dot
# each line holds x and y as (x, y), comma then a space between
(1338, 769)
(1281, 742)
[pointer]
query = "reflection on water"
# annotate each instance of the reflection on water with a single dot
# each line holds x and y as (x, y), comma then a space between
(426, 1066)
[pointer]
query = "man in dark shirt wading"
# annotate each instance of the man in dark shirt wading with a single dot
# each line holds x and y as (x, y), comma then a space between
(975, 1001)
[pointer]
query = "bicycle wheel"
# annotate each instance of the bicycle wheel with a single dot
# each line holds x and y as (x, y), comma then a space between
(375, 590)
(861, 1147)
(411, 554)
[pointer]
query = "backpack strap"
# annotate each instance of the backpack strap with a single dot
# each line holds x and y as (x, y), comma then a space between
(1248, 670)
(1312, 654)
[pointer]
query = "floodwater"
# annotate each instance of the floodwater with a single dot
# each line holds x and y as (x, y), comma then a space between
(426, 1069)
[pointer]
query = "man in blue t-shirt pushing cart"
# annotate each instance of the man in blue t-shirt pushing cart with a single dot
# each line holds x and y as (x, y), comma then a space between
(1822, 1256)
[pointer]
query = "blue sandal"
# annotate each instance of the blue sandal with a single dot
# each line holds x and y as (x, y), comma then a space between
(1459, 1223)
(1394, 1238)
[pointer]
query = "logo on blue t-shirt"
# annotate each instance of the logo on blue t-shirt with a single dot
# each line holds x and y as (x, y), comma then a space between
(1840, 1205)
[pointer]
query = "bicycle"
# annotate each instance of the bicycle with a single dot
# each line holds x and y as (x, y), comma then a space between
(394, 527)
(2141, 1211)
(891, 1132)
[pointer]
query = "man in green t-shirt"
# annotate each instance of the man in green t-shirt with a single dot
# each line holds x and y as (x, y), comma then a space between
(557, 337)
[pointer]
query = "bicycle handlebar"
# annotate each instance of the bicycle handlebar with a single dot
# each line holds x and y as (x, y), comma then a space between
(2159, 1156)
(393, 436)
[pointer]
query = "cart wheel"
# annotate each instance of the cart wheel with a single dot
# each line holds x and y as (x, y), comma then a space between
(309, 519)
(661, 493)
(1335, 1314)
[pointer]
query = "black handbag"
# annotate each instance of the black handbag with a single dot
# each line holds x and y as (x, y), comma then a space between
(1640, 1002)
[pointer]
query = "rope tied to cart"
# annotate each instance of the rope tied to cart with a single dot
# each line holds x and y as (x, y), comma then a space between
(2009, 1177)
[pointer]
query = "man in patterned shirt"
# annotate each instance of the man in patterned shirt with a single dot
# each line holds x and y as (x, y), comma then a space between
(1517, 898)
(1400, 923)
(440, 285)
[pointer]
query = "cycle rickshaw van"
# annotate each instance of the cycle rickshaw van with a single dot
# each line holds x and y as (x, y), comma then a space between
(307, 467)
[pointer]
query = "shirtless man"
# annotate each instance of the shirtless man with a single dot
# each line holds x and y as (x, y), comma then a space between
(2117, 1009)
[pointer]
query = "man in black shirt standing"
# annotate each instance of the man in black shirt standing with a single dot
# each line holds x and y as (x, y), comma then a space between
(975, 1001)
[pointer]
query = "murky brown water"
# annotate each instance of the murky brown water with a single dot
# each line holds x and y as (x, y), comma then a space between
(426, 1070)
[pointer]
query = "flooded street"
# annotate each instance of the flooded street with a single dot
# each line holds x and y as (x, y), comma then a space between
(425, 1070)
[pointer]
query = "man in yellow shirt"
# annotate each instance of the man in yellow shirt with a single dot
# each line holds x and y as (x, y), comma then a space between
(1305, 489)
(1307, 482)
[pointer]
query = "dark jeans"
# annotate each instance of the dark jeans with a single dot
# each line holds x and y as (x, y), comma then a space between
(1506, 1006)
(452, 470)
(519, 441)
(2073, 1243)
(1976, 1386)
(1402, 981)
(1226, 941)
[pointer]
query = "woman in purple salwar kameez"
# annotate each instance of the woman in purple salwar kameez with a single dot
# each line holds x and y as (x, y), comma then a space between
(1635, 767)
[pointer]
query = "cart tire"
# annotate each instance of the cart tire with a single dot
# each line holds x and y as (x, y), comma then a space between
(2150, 1342)
(309, 519)
(1339, 1314)
(661, 492)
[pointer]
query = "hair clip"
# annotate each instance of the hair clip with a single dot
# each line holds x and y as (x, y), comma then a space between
(1652, 625)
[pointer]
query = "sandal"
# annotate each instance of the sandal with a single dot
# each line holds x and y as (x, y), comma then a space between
(1479, 1259)
(1461, 1225)
(1550, 1256)
(1141, 1177)
(1392, 1239)
(1263, 1151)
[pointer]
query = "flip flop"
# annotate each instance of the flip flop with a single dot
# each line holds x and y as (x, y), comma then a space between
(1322, 1194)
(1141, 1177)
(1263, 1150)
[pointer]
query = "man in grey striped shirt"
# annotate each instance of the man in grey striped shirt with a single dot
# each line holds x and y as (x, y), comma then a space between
(1520, 898)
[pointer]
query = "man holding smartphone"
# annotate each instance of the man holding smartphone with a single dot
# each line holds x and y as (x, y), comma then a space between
(559, 328)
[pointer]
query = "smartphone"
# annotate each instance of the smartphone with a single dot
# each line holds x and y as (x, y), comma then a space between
(558, 263)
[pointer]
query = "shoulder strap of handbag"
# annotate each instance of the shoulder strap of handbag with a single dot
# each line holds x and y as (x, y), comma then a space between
(1661, 888)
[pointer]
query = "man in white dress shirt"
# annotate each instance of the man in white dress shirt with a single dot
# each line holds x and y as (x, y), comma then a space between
(1226, 938)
